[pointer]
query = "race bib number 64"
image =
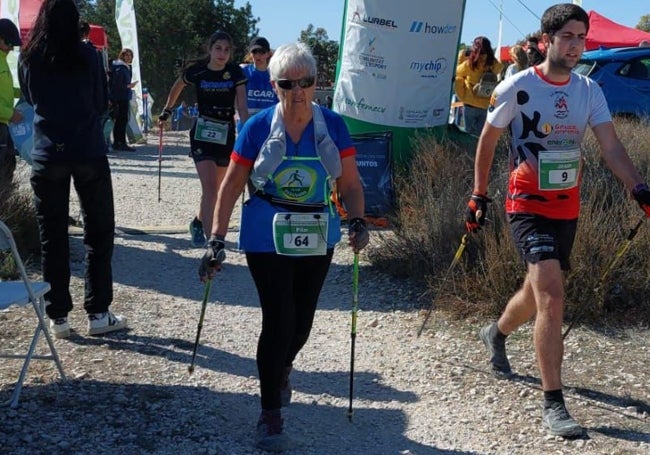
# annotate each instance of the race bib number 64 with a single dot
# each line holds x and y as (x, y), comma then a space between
(300, 234)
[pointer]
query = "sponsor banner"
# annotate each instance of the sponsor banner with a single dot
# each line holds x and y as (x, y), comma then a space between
(128, 30)
(374, 162)
(397, 61)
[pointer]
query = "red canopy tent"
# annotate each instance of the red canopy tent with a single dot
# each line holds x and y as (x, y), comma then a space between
(29, 11)
(606, 33)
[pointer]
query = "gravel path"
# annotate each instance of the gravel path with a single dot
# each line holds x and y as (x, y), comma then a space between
(130, 393)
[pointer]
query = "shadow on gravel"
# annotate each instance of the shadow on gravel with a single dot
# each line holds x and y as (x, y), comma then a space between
(619, 433)
(623, 402)
(174, 274)
(368, 386)
(89, 416)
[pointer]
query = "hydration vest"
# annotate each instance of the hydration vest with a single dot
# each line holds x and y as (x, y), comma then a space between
(274, 150)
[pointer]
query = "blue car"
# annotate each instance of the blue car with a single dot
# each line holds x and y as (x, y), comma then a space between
(624, 75)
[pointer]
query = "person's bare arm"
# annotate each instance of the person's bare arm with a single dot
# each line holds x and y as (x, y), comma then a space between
(485, 150)
(231, 188)
(242, 103)
(174, 93)
(350, 188)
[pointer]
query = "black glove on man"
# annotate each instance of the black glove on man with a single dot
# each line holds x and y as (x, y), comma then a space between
(358, 234)
(213, 257)
(166, 113)
(476, 211)
(641, 193)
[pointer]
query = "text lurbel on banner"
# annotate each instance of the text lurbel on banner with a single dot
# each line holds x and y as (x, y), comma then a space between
(397, 61)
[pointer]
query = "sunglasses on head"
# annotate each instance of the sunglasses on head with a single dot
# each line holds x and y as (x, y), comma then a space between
(288, 84)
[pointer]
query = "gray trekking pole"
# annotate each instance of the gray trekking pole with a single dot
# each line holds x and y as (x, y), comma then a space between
(206, 293)
(459, 252)
(353, 329)
(619, 254)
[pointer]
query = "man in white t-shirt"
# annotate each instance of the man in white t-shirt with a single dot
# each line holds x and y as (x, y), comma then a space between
(548, 109)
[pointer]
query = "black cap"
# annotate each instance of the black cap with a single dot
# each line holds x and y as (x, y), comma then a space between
(259, 43)
(9, 32)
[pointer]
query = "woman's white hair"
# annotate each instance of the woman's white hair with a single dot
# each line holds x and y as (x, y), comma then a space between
(294, 56)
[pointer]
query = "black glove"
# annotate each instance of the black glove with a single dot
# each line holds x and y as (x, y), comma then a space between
(641, 193)
(213, 257)
(358, 234)
(476, 211)
(166, 113)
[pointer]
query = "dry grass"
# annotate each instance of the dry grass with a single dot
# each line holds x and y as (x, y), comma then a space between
(431, 199)
(17, 212)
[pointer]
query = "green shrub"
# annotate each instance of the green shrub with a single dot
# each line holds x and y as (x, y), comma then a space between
(428, 226)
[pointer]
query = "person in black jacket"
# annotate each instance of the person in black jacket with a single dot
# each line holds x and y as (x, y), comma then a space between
(120, 94)
(63, 80)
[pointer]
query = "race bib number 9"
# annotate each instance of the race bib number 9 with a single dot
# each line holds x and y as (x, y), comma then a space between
(558, 170)
(300, 234)
(213, 132)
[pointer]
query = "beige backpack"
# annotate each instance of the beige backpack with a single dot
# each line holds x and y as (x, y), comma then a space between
(486, 84)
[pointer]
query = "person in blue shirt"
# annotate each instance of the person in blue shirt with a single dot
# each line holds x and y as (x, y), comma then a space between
(294, 155)
(259, 92)
(181, 119)
(194, 110)
(63, 80)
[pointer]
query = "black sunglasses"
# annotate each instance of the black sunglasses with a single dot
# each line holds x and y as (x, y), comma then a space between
(288, 84)
(258, 51)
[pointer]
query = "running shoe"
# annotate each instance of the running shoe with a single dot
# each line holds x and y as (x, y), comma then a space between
(497, 349)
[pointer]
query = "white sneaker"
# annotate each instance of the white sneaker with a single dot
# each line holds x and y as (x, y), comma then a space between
(60, 328)
(100, 323)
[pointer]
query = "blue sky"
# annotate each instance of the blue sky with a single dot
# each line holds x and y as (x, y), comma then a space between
(282, 21)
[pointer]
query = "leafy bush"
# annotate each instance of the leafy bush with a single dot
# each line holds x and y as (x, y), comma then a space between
(428, 227)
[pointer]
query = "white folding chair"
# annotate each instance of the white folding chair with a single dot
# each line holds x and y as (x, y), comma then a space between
(21, 293)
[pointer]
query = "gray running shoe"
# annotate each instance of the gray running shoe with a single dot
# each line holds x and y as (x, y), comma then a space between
(497, 350)
(270, 434)
(197, 234)
(559, 423)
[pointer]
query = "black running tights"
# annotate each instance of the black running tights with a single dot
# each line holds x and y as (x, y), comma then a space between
(288, 289)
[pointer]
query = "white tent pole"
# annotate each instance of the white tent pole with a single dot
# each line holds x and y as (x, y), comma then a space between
(498, 51)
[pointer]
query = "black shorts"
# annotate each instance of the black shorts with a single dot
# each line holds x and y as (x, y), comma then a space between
(539, 238)
(220, 154)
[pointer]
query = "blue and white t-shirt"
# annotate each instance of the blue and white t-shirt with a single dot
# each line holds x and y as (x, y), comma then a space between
(306, 179)
(259, 93)
(547, 121)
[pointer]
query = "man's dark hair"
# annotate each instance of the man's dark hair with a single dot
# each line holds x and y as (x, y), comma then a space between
(84, 29)
(557, 16)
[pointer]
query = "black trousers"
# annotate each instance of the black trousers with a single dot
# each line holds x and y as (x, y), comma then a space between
(51, 185)
(288, 288)
(121, 113)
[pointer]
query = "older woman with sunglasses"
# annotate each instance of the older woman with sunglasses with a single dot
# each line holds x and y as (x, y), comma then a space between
(293, 156)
